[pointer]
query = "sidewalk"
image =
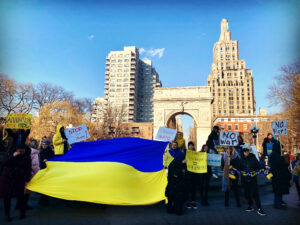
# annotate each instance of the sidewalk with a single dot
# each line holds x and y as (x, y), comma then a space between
(61, 212)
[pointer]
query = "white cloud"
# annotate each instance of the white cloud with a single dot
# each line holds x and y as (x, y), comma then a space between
(91, 37)
(159, 52)
(141, 50)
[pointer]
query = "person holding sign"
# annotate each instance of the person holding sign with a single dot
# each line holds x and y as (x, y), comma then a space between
(193, 179)
(60, 142)
(230, 160)
(248, 166)
(204, 180)
(213, 138)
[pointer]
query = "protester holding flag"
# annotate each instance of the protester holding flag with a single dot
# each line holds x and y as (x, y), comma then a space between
(175, 190)
(60, 141)
(249, 166)
(281, 175)
(176, 152)
(16, 172)
(212, 139)
(204, 180)
(229, 161)
(45, 154)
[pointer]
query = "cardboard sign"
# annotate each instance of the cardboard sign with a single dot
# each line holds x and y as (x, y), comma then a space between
(214, 159)
(77, 134)
(279, 127)
(229, 138)
(18, 121)
(166, 134)
(196, 161)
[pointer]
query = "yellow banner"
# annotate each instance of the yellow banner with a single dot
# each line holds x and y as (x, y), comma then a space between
(18, 121)
(196, 161)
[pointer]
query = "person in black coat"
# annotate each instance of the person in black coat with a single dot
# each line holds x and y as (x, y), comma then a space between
(249, 165)
(175, 190)
(213, 138)
(204, 181)
(45, 154)
(281, 175)
(232, 181)
(16, 172)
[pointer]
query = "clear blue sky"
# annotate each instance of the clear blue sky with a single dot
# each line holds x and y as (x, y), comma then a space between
(66, 42)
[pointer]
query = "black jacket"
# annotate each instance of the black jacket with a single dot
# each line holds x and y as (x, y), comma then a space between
(45, 154)
(264, 145)
(281, 174)
(248, 164)
(210, 141)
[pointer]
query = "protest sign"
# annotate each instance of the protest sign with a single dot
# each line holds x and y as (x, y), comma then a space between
(229, 138)
(279, 127)
(77, 134)
(166, 134)
(214, 159)
(254, 151)
(196, 161)
(18, 121)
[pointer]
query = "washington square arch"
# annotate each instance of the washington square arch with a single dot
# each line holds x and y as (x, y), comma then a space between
(193, 101)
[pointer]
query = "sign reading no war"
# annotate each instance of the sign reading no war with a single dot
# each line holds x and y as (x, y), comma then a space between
(229, 138)
(77, 134)
(279, 127)
(165, 134)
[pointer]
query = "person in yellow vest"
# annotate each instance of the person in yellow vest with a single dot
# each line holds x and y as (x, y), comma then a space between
(60, 141)
(180, 141)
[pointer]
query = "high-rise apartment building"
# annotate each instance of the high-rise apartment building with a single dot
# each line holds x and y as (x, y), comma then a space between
(148, 79)
(129, 84)
(230, 81)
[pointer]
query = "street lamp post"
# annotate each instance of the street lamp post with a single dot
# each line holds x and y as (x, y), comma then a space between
(254, 130)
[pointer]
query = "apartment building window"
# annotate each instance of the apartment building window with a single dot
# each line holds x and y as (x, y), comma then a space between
(245, 127)
(229, 127)
(236, 127)
(222, 127)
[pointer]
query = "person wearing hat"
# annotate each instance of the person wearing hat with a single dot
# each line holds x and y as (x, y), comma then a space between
(45, 154)
(249, 165)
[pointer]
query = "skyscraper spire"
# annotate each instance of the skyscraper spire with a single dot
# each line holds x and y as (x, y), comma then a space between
(225, 33)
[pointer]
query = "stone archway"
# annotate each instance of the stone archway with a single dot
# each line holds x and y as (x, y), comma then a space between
(194, 101)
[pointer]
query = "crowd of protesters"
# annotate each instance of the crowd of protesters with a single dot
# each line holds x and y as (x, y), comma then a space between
(24, 158)
(240, 165)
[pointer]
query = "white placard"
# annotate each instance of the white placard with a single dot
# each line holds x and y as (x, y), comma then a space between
(214, 159)
(229, 138)
(77, 134)
(279, 127)
(254, 151)
(165, 134)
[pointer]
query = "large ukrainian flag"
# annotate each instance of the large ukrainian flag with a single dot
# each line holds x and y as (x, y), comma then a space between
(121, 171)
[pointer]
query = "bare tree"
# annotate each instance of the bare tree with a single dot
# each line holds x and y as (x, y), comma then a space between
(48, 93)
(15, 97)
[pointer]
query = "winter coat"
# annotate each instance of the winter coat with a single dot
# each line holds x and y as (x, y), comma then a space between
(35, 161)
(210, 141)
(175, 190)
(45, 154)
(59, 143)
(279, 168)
(264, 145)
(248, 164)
(296, 174)
(15, 172)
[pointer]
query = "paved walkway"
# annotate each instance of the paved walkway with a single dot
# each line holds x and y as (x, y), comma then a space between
(61, 212)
